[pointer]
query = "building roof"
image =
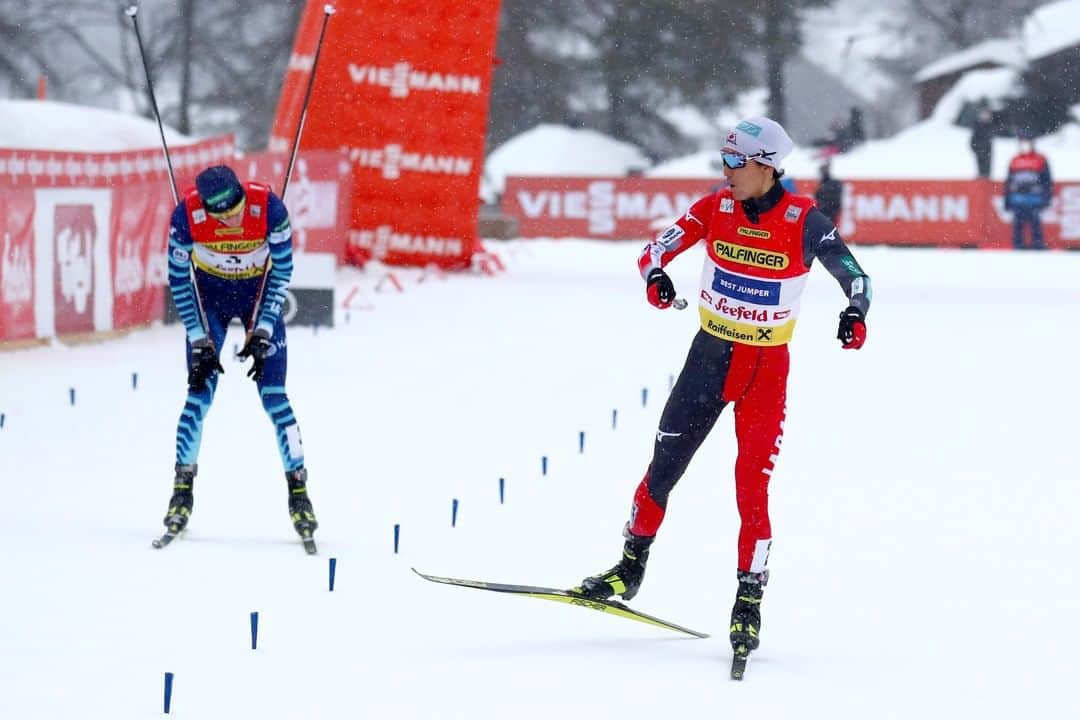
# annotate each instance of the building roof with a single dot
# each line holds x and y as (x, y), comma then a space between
(1003, 53)
(1052, 28)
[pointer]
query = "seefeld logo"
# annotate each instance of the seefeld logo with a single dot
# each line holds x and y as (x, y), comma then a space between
(393, 160)
(602, 205)
(402, 78)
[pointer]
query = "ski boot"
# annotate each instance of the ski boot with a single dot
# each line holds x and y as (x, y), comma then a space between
(182, 501)
(625, 578)
(300, 510)
(746, 613)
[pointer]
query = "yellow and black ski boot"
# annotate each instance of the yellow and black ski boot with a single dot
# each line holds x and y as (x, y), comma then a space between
(300, 510)
(625, 578)
(746, 613)
(182, 501)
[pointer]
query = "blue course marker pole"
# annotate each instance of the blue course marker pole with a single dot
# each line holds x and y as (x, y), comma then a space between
(71, 395)
(543, 465)
(453, 513)
(581, 441)
(614, 418)
(168, 691)
(254, 629)
(2, 421)
(134, 381)
(644, 397)
(333, 571)
(397, 535)
(502, 486)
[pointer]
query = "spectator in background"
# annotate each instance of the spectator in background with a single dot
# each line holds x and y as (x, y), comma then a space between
(854, 132)
(829, 195)
(789, 185)
(1028, 190)
(982, 135)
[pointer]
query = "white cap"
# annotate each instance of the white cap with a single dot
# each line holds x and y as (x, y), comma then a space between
(762, 140)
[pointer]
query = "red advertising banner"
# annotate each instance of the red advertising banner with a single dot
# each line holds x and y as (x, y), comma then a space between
(16, 264)
(318, 195)
(603, 208)
(403, 89)
(138, 252)
(85, 234)
(942, 213)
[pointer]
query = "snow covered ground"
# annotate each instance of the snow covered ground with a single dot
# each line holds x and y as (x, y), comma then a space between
(922, 508)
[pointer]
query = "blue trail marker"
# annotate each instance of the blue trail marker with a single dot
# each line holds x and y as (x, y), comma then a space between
(333, 571)
(502, 481)
(543, 465)
(453, 513)
(134, 381)
(2, 416)
(644, 397)
(581, 441)
(254, 629)
(614, 418)
(168, 691)
(397, 535)
(71, 395)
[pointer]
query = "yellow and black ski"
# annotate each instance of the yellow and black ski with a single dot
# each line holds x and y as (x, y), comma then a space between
(611, 607)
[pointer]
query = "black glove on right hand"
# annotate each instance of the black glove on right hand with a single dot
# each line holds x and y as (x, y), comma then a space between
(659, 289)
(204, 364)
(258, 348)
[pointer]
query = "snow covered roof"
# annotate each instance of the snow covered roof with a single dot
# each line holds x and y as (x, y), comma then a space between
(1005, 53)
(559, 150)
(49, 125)
(1052, 28)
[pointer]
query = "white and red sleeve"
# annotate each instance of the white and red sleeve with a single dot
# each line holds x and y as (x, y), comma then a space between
(683, 235)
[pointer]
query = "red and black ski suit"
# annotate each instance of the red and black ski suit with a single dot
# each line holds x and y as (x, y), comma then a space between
(759, 253)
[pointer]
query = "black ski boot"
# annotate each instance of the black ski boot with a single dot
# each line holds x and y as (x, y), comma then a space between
(182, 501)
(300, 510)
(625, 578)
(746, 614)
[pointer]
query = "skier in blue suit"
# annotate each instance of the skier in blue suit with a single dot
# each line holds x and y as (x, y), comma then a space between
(230, 256)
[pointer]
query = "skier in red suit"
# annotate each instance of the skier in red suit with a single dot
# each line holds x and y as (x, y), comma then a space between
(760, 244)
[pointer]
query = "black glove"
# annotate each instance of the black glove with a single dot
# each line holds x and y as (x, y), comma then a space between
(852, 330)
(659, 289)
(257, 348)
(204, 364)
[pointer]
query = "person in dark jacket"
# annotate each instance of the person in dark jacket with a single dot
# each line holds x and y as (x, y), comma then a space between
(1028, 190)
(982, 136)
(829, 195)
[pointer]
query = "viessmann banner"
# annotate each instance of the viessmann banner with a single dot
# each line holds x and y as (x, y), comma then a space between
(83, 236)
(960, 213)
(402, 87)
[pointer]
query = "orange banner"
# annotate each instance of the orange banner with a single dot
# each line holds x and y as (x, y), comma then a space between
(402, 87)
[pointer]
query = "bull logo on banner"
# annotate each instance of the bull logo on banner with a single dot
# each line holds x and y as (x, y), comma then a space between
(75, 236)
(16, 273)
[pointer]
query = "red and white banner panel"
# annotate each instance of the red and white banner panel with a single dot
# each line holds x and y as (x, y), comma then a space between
(403, 88)
(942, 213)
(318, 197)
(84, 236)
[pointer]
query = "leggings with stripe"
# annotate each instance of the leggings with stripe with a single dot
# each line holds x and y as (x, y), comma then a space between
(718, 372)
(271, 391)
